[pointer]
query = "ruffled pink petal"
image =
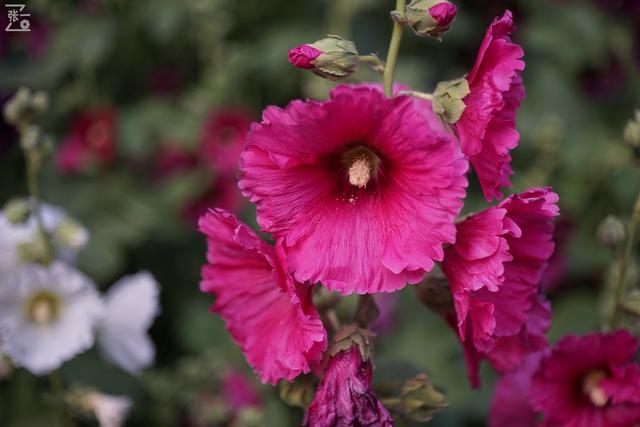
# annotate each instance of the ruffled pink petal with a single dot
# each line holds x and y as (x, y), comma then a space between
(367, 240)
(494, 270)
(269, 315)
(487, 127)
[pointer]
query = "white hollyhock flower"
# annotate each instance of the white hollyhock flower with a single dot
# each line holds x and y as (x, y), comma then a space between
(131, 304)
(21, 242)
(110, 411)
(48, 315)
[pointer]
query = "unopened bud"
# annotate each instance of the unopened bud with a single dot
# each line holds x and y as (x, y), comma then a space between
(611, 232)
(430, 18)
(332, 57)
(418, 399)
(71, 233)
(25, 106)
(299, 392)
(17, 211)
(447, 99)
(632, 134)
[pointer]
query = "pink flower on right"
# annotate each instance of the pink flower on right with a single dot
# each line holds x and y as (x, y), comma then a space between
(494, 270)
(487, 128)
(587, 381)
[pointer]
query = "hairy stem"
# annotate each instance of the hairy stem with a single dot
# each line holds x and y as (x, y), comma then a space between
(33, 162)
(624, 263)
(394, 47)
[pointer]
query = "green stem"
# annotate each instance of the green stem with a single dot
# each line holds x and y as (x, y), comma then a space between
(56, 391)
(624, 263)
(394, 48)
(32, 161)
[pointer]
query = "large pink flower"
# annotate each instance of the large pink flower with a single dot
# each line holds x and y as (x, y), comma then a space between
(487, 126)
(362, 188)
(344, 397)
(494, 271)
(270, 316)
(589, 382)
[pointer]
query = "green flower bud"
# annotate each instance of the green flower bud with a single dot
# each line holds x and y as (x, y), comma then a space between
(447, 99)
(611, 232)
(70, 233)
(17, 211)
(299, 392)
(632, 134)
(25, 106)
(417, 400)
(332, 58)
(430, 18)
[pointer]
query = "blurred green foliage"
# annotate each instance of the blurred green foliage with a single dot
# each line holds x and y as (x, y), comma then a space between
(164, 64)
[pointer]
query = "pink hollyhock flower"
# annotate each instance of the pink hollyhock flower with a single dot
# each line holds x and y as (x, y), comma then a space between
(589, 381)
(92, 140)
(270, 316)
(172, 159)
(494, 270)
(487, 127)
(510, 405)
(361, 187)
(344, 396)
(303, 56)
(238, 392)
(222, 139)
(223, 192)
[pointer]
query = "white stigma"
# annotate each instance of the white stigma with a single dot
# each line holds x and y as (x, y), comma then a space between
(591, 388)
(360, 172)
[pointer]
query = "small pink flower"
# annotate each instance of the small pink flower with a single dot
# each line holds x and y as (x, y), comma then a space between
(172, 160)
(443, 13)
(494, 270)
(303, 56)
(344, 396)
(487, 126)
(270, 316)
(589, 381)
(91, 141)
(222, 139)
(362, 188)
(239, 392)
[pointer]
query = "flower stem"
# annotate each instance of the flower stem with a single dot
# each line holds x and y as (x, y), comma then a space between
(624, 263)
(32, 163)
(394, 47)
(56, 391)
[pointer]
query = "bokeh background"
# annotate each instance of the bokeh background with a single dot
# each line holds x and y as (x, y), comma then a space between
(152, 83)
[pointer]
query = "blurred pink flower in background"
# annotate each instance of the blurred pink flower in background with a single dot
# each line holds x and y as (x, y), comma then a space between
(92, 140)
(239, 392)
(223, 137)
(171, 160)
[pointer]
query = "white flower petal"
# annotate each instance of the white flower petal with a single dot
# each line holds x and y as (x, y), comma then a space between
(110, 411)
(41, 348)
(131, 305)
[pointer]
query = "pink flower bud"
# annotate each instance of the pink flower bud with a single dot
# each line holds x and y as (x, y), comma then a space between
(430, 18)
(303, 56)
(443, 13)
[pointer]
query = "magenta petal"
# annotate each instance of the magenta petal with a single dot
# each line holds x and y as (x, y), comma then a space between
(487, 127)
(269, 315)
(364, 240)
(303, 56)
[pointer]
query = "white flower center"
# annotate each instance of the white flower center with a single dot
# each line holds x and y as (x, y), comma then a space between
(591, 387)
(362, 165)
(360, 172)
